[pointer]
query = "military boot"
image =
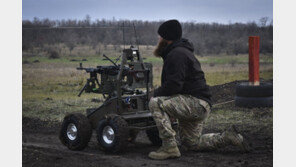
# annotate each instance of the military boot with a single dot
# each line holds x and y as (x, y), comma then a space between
(233, 137)
(165, 153)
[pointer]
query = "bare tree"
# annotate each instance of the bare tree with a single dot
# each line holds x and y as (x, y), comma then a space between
(71, 46)
(263, 21)
(206, 38)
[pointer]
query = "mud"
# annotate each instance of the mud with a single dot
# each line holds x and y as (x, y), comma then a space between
(41, 146)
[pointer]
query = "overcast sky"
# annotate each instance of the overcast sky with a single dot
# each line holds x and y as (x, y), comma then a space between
(222, 11)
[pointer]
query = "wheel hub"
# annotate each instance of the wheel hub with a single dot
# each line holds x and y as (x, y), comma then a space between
(72, 131)
(108, 134)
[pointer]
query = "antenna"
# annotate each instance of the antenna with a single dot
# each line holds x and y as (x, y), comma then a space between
(123, 35)
(136, 36)
(117, 59)
(110, 60)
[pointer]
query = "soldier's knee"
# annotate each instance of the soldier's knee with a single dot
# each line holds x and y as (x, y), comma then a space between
(153, 103)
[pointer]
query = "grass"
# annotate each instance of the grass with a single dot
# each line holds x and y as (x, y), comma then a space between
(252, 120)
(98, 59)
(94, 54)
(233, 59)
(216, 78)
(50, 87)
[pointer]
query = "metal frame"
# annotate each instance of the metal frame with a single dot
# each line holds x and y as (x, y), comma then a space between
(124, 97)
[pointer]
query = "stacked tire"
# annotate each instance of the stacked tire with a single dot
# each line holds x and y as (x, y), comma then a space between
(251, 96)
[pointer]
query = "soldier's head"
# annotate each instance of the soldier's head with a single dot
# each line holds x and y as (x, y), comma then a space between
(168, 32)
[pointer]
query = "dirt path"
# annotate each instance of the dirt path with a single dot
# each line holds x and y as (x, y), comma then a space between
(46, 150)
(41, 147)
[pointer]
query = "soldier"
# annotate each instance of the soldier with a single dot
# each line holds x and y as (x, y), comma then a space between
(184, 95)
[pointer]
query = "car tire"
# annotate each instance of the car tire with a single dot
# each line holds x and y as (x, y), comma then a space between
(250, 102)
(112, 134)
(265, 89)
(75, 131)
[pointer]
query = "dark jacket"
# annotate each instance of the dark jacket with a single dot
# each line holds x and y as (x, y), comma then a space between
(182, 73)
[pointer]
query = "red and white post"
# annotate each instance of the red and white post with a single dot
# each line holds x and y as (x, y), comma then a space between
(254, 60)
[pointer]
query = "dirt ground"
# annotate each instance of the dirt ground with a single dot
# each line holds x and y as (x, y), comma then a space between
(41, 146)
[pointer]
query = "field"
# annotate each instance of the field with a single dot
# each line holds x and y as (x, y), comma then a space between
(50, 88)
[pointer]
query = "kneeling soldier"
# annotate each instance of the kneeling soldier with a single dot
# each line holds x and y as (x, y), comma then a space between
(184, 95)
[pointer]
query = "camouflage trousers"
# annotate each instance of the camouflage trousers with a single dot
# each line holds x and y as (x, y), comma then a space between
(191, 113)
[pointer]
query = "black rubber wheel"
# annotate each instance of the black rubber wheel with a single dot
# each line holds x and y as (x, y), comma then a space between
(265, 89)
(112, 134)
(153, 136)
(251, 102)
(75, 132)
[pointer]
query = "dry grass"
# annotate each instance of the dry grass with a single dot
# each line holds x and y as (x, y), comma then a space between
(50, 87)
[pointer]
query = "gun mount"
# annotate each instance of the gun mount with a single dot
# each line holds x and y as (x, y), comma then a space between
(119, 79)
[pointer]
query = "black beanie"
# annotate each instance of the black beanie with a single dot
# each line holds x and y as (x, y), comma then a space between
(170, 30)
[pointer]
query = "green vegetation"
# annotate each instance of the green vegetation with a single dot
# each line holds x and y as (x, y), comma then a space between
(239, 59)
(216, 78)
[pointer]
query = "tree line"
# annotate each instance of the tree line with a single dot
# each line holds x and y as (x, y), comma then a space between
(207, 38)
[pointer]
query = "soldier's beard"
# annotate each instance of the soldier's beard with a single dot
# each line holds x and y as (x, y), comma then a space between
(160, 48)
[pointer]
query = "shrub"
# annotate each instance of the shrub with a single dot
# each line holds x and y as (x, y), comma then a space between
(54, 54)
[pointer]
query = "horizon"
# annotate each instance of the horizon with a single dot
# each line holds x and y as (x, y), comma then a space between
(269, 21)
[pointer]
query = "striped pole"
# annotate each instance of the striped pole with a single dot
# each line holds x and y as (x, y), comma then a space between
(254, 60)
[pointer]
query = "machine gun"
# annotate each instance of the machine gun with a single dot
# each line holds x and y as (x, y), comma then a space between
(119, 79)
(92, 81)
